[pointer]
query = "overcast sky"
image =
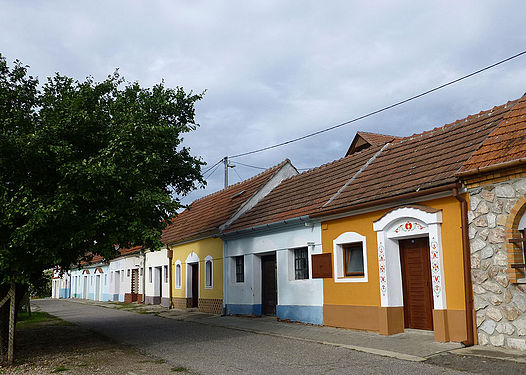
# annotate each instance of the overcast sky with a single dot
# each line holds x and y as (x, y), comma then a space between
(276, 70)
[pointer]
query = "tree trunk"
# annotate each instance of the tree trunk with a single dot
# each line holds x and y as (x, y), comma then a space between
(8, 314)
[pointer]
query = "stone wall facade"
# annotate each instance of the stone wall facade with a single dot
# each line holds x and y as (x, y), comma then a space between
(500, 305)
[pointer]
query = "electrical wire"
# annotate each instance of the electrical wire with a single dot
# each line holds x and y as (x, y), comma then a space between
(205, 172)
(240, 179)
(253, 166)
(248, 165)
(381, 109)
(211, 173)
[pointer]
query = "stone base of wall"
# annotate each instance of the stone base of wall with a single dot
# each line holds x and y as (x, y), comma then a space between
(499, 300)
(181, 303)
(209, 305)
(165, 302)
(152, 300)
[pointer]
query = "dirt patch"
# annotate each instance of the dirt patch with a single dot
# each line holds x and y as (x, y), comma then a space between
(54, 346)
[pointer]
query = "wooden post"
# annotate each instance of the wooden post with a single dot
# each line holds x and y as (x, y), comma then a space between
(11, 342)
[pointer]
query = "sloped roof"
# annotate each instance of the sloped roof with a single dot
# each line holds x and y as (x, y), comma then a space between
(303, 194)
(421, 161)
(206, 215)
(505, 144)
(366, 139)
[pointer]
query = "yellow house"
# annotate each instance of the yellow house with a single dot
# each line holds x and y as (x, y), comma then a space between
(395, 236)
(196, 250)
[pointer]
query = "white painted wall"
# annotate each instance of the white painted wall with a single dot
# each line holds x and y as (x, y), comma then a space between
(156, 259)
(307, 292)
(120, 268)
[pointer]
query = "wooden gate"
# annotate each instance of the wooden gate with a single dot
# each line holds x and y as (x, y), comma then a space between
(134, 284)
(416, 281)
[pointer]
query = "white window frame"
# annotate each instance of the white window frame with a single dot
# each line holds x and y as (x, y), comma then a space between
(150, 276)
(339, 262)
(209, 285)
(178, 275)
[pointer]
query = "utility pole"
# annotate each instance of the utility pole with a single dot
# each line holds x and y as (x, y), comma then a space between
(227, 165)
(225, 160)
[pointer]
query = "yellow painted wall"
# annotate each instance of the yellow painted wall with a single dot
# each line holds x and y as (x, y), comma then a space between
(203, 248)
(368, 293)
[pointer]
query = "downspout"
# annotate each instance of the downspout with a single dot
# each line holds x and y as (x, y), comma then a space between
(169, 253)
(468, 287)
(143, 276)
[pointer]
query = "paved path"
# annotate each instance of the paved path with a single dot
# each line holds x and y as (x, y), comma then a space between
(209, 349)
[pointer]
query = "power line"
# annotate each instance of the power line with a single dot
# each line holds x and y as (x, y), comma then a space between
(248, 165)
(381, 109)
(253, 166)
(240, 179)
(211, 173)
(205, 172)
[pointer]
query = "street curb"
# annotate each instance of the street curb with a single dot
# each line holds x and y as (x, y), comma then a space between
(380, 352)
(383, 353)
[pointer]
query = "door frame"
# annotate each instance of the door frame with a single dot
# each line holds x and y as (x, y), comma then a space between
(403, 223)
(191, 260)
(269, 255)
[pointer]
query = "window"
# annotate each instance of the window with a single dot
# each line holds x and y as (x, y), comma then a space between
(122, 274)
(522, 231)
(350, 258)
(165, 274)
(111, 277)
(353, 259)
(240, 269)
(128, 273)
(106, 279)
(208, 274)
(301, 263)
(91, 280)
(178, 276)
(150, 274)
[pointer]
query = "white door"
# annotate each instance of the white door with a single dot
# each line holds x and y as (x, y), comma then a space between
(97, 288)
(117, 280)
(85, 291)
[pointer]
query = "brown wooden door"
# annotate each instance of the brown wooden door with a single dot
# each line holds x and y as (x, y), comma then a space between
(134, 284)
(269, 290)
(416, 281)
(195, 285)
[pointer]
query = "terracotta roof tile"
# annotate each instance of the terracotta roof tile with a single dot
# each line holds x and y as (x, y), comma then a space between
(206, 215)
(377, 139)
(363, 140)
(303, 194)
(422, 160)
(505, 144)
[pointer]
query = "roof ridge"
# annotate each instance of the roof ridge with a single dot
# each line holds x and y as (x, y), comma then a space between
(337, 160)
(229, 187)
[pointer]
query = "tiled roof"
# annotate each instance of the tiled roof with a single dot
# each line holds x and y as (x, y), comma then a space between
(366, 139)
(305, 193)
(409, 164)
(206, 215)
(506, 143)
(377, 139)
(421, 161)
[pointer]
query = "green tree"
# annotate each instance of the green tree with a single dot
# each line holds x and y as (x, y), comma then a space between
(85, 166)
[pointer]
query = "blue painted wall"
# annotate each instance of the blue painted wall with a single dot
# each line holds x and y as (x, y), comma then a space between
(296, 313)
(241, 309)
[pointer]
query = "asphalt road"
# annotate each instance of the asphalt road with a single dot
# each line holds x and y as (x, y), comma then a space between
(207, 349)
